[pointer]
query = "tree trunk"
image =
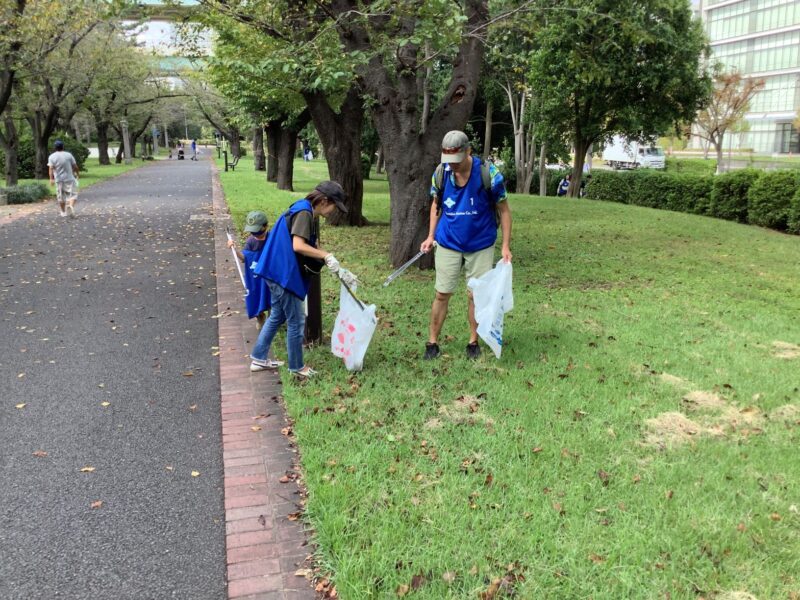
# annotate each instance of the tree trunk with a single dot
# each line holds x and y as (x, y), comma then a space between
(42, 126)
(287, 145)
(543, 170)
(718, 146)
(581, 147)
(487, 135)
(233, 138)
(102, 142)
(273, 137)
(340, 134)
(10, 143)
(258, 148)
(379, 161)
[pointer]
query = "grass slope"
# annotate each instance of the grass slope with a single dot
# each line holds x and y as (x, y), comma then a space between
(539, 472)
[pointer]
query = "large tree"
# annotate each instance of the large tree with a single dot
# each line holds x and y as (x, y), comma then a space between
(730, 100)
(605, 67)
(270, 65)
(395, 46)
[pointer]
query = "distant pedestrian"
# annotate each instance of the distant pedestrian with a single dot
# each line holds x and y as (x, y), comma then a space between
(64, 173)
(563, 186)
(194, 149)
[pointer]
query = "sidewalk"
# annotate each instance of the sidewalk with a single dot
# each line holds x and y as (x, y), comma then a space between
(267, 551)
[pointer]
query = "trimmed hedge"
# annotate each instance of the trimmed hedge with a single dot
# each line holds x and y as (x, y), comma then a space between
(770, 199)
(26, 193)
(729, 194)
(678, 192)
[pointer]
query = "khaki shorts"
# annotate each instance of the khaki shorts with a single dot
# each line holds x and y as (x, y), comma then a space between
(66, 190)
(449, 263)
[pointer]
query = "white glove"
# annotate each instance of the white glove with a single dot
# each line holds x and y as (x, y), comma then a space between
(348, 278)
(333, 264)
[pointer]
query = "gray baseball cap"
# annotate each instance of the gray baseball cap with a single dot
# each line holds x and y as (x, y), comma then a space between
(454, 146)
(255, 221)
(333, 192)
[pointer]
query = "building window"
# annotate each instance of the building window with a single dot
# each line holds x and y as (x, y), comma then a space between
(788, 139)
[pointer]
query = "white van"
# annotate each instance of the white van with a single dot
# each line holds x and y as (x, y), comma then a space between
(622, 153)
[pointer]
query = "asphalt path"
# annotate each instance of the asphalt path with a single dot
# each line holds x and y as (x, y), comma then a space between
(111, 481)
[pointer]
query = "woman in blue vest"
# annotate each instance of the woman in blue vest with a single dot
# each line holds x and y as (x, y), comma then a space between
(285, 264)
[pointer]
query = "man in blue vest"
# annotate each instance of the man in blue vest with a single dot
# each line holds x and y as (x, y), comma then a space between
(463, 226)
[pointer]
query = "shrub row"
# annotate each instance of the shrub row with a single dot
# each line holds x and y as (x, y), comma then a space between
(26, 193)
(768, 199)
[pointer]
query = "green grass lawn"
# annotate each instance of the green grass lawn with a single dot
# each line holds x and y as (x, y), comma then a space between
(638, 438)
(95, 173)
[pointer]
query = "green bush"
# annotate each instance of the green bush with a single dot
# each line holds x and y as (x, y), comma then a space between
(366, 165)
(610, 185)
(770, 197)
(793, 222)
(26, 154)
(655, 189)
(729, 194)
(26, 193)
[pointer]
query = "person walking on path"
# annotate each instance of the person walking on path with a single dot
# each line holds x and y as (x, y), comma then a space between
(64, 173)
(463, 227)
(289, 257)
(194, 149)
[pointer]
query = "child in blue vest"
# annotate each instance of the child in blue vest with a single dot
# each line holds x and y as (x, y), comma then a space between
(285, 263)
(257, 299)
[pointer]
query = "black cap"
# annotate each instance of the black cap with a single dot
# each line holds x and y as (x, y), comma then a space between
(333, 192)
(59, 145)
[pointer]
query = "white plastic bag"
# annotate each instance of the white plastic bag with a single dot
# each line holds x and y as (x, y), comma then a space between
(493, 298)
(352, 331)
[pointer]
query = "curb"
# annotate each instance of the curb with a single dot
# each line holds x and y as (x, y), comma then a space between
(267, 551)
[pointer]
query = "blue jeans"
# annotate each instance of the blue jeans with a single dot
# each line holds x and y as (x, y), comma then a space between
(288, 308)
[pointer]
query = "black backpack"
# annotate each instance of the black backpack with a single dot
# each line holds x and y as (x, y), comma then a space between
(486, 179)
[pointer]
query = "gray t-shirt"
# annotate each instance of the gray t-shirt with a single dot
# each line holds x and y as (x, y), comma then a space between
(61, 162)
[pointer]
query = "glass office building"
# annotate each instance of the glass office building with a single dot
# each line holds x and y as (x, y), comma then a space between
(760, 39)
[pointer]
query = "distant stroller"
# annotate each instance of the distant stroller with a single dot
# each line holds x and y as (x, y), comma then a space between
(180, 153)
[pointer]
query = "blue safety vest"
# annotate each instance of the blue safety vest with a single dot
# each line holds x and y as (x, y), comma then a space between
(278, 261)
(467, 223)
(257, 299)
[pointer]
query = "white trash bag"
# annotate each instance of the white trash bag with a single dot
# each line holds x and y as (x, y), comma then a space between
(493, 298)
(353, 330)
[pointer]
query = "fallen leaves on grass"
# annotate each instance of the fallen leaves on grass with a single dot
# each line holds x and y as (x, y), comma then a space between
(597, 559)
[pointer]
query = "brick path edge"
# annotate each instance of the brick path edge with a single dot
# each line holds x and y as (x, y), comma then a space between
(264, 548)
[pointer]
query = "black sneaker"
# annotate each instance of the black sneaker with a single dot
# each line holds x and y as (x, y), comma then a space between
(431, 351)
(473, 350)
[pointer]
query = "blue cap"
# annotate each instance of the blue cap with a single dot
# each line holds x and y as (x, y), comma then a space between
(59, 145)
